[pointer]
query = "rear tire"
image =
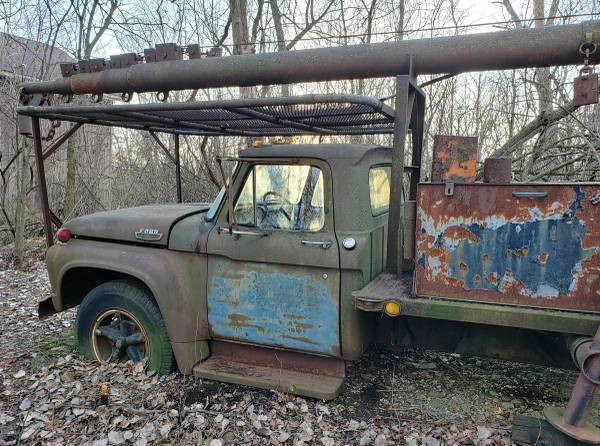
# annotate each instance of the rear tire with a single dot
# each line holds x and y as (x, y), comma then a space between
(117, 321)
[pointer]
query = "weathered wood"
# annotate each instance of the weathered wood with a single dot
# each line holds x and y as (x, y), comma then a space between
(533, 431)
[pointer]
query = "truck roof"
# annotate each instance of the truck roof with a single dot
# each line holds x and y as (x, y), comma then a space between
(320, 151)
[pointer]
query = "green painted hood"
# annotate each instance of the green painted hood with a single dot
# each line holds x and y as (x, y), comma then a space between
(144, 224)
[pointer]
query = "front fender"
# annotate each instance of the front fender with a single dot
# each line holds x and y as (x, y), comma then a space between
(177, 280)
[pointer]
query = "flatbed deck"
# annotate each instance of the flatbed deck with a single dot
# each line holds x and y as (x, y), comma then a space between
(389, 287)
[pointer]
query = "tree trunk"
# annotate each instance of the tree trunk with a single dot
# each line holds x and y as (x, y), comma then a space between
(239, 26)
(543, 85)
(21, 204)
(281, 46)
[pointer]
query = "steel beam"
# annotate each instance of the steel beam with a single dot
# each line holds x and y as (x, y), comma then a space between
(41, 178)
(178, 169)
(518, 48)
(395, 239)
(410, 110)
(60, 141)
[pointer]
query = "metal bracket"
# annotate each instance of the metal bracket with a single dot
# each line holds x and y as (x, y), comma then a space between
(92, 65)
(193, 51)
(68, 69)
(124, 60)
(449, 189)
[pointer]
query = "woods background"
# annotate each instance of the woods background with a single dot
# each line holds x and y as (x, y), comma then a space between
(525, 114)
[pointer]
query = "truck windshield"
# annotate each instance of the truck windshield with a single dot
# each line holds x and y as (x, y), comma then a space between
(283, 197)
(214, 207)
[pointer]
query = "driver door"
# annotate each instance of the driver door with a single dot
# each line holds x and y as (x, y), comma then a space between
(275, 279)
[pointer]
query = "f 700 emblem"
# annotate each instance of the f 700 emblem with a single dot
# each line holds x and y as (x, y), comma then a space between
(148, 235)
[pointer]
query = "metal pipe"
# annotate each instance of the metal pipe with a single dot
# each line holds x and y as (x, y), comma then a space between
(41, 177)
(585, 388)
(178, 169)
(519, 48)
(573, 420)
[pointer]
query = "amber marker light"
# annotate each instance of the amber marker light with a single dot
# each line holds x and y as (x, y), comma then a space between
(392, 308)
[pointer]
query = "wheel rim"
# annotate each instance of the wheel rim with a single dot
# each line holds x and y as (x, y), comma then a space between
(117, 336)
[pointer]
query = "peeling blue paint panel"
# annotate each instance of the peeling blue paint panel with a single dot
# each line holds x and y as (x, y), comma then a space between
(268, 304)
(534, 245)
(522, 248)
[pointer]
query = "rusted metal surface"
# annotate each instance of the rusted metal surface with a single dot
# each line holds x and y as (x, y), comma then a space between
(497, 170)
(301, 374)
(535, 245)
(585, 87)
(384, 288)
(454, 159)
(518, 48)
(293, 307)
(573, 420)
(274, 289)
(409, 114)
(80, 265)
(484, 313)
(275, 358)
(150, 225)
(327, 114)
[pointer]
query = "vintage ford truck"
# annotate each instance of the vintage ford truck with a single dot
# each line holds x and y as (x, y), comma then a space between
(281, 279)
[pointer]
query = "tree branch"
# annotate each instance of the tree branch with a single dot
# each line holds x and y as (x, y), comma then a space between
(513, 14)
(533, 127)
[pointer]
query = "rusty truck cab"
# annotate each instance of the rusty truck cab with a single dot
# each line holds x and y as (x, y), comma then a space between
(282, 273)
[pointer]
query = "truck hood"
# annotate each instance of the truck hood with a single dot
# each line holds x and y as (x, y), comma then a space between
(144, 224)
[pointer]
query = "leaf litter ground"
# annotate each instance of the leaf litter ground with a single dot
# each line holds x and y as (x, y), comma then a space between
(50, 395)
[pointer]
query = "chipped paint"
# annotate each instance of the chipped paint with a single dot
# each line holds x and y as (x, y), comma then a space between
(454, 159)
(258, 305)
(484, 244)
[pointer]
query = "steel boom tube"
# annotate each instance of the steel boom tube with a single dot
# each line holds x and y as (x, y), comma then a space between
(519, 48)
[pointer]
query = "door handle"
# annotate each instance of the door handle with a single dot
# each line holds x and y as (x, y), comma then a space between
(322, 243)
(251, 233)
(528, 194)
(239, 232)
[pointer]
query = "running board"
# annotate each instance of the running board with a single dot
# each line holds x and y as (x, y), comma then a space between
(267, 368)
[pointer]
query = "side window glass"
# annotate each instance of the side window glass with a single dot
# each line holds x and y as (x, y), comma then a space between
(379, 189)
(244, 207)
(283, 197)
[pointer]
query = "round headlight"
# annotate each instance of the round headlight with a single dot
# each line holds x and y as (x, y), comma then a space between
(349, 243)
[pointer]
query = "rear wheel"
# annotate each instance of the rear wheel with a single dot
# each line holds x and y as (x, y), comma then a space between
(118, 321)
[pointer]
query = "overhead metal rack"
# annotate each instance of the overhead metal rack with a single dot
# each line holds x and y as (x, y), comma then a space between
(327, 114)
(280, 116)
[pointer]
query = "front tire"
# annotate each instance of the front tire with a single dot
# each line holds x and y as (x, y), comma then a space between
(118, 321)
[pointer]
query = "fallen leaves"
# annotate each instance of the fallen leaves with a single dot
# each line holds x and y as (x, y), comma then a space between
(52, 396)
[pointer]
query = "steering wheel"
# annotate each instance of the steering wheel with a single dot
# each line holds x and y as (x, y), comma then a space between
(279, 200)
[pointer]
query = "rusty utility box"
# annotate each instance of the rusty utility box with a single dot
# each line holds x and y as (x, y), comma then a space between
(454, 159)
(535, 245)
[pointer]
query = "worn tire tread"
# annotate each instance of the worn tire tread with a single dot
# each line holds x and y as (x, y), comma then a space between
(135, 299)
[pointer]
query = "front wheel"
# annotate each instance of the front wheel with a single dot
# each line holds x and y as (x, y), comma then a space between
(118, 321)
